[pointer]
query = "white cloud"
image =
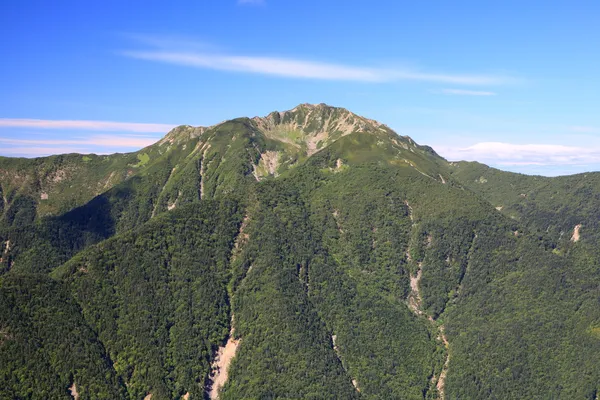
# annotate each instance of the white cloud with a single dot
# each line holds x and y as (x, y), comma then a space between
(294, 68)
(84, 125)
(462, 92)
(498, 153)
(41, 151)
(114, 141)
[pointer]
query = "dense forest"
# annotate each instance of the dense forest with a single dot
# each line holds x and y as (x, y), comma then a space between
(336, 258)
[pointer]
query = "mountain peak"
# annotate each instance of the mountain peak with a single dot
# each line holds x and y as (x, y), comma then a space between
(314, 126)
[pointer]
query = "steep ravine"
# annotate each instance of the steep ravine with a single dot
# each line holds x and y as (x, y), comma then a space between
(414, 303)
(337, 352)
(225, 354)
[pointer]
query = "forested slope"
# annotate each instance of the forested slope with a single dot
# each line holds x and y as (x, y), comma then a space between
(336, 258)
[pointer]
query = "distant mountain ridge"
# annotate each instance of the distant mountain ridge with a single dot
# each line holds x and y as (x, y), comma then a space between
(332, 257)
(43, 186)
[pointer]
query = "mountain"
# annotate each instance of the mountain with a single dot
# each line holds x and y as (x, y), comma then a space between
(311, 253)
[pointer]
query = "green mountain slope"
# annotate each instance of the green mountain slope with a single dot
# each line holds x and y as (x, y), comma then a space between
(554, 206)
(46, 348)
(315, 254)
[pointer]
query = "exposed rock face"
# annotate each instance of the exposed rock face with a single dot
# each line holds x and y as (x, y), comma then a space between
(220, 367)
(313, 126)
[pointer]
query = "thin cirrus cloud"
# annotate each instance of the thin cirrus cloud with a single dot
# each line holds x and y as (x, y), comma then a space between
(84, 125)
(463, 92)
(305, 69)
(41, 151)
(98, 144)
(95, 140)
(127, 135)
(509, 154)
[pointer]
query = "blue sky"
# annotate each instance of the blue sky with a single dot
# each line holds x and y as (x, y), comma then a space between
(512, 84)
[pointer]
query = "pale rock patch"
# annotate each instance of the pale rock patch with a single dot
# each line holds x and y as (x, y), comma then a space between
(576, 234)
(410, 211)
(414, 298)
(59, 176)
(73, 390)
(336, 215)
(220, 367)
(174, 204)
(441, 383)
(108, 181)
(206, 147)
(271, 161)
(242, 237)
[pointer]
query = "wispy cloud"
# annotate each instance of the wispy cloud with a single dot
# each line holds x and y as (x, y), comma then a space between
(98, 144)
(84, 125)
(498, 153)
(463, 92)
(115, 141)
(42, 151)
(186, 55)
